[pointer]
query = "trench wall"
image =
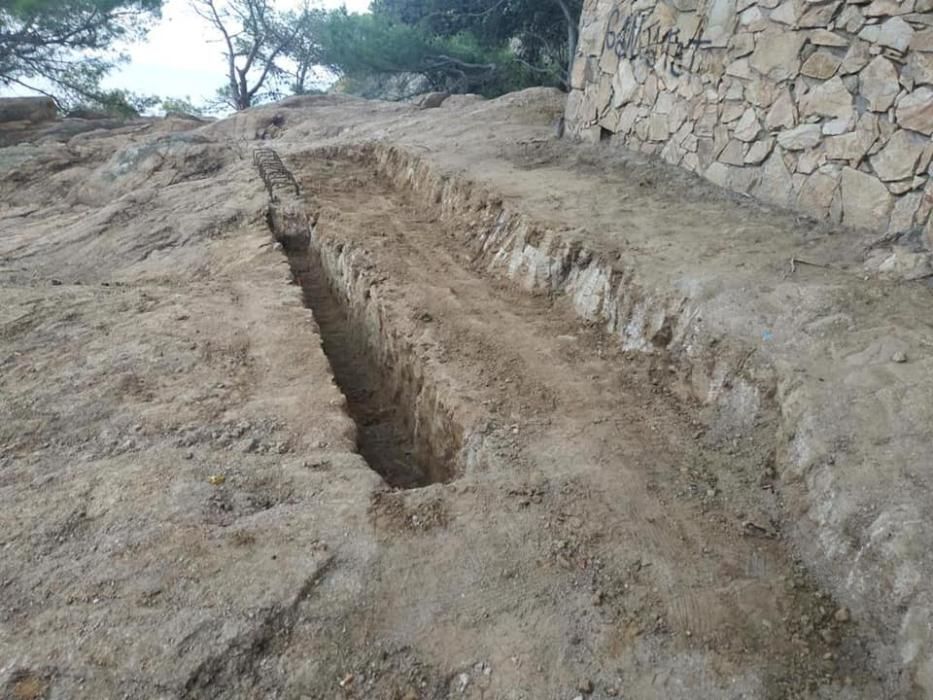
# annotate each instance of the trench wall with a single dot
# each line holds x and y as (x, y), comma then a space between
(822, 106)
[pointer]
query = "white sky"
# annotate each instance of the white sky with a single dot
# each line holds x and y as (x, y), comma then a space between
(182, 58)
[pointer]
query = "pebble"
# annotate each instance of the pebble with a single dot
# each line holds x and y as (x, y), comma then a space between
(842, 615)
(899, 357)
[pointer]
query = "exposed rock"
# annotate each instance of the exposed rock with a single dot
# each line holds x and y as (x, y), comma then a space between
(753, 20)
(733, 153)
(887, 8)
(818, 15)
(915, 111)
(657, 127)
(740, 69)
(922, 41)
(731, 111)
(777, 54)
(624, 85)
(821, 65)
(829, 99)
(27, 109)
(856, 58)
(834, 127)
(824, 37)
(810, 160)
(906, 265)
(878, 84)
(866, 202)
(853, 147)
(902, 218)
(896, 34)
(800, 138)
(816, 195)
(851, 19)
(742, 44)
(786, 13)
(919, 68)
(748, 127)
(899, 157)
(775, 184)
(759, 151)
(783, 112)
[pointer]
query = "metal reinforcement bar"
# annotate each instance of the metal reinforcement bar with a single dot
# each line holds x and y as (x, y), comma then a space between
(273, 172)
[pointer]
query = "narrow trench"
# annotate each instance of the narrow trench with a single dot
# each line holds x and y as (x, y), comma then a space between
(383, 420)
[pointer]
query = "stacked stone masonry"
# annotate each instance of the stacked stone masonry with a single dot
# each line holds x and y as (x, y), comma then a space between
(824, 106)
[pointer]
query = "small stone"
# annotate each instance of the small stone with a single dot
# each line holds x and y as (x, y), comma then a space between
(900, 358)
(586, 687)
(842, 614)
(216, 479)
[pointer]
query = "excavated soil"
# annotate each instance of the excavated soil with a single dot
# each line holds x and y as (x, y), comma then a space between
(434, 443)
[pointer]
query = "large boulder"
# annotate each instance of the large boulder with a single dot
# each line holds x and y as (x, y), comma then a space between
(27, 109)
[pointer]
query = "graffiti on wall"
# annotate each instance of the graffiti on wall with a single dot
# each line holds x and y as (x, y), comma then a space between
(635, 37)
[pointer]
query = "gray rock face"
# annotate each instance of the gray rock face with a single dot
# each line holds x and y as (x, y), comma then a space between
(800, 138)
(27, 109)
(915, 111)
(866, 202)
(878, 84)
(898, 159)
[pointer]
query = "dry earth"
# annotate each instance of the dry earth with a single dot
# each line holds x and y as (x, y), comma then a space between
(519, 419)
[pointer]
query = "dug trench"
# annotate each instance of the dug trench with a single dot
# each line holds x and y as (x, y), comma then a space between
(637, 532)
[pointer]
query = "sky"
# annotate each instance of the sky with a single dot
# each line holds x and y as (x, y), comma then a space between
(181, 58)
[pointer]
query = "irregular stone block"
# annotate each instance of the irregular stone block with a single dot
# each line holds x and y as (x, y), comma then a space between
(829, 99)
(915, 111)
(898, 159)
(783, 112)
(775, 184)
(821, 65)
(748, 127)
(896, 34)
(866, 203)
(759, 151)
(800, 138)
(878, 84)
(777, 55)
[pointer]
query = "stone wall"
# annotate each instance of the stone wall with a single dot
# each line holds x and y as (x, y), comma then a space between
(825, 106)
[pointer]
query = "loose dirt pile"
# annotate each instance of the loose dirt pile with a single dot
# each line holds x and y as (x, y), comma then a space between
(513, 419)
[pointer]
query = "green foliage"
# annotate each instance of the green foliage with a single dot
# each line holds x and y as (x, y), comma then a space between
(67, 45)
(181, 105)
(381, 43)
